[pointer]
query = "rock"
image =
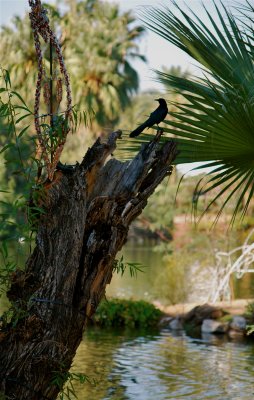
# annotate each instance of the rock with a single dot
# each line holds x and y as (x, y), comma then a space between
(176, 324)
(200, 313)
(235, 334)
(164, 322)
(214, 338)
(212, 326)
(239, 323)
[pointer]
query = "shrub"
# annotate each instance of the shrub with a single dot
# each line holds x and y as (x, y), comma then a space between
(250, 312)
(250, 317)
(129, 313)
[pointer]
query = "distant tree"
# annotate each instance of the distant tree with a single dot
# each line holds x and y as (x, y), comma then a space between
(18, 56)
(106, 80)
(99, 44)
(139, 109)
(175, 70)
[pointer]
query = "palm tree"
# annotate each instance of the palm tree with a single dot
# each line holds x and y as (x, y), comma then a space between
(104, 78)
(18, 55)
(215, 125)
(99, 44)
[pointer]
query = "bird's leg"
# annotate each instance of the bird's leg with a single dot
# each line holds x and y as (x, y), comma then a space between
(158, 134)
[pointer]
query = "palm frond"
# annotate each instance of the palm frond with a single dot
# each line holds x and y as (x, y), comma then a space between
(215, 122)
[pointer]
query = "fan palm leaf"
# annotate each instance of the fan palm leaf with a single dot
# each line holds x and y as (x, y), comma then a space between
(215, 123)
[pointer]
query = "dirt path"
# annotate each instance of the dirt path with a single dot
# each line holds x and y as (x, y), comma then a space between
(234, 307)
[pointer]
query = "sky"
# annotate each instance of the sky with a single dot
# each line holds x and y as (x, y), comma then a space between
(158, 51)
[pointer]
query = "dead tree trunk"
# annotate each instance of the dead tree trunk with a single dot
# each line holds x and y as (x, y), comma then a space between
(88, 211)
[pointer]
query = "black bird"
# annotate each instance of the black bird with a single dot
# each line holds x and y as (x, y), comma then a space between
(156, 117)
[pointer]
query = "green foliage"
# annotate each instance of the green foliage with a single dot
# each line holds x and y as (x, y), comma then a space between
(13, 315)
(250, 310)
(159, 211)
(129, 313)
(215, 123)
(226, 318)
(8, 266)
(99, 44)
(15, 155)
(171, 283)
(120, 267)
(250, 329)
(250, 316)
(65, 381)
(18, 173)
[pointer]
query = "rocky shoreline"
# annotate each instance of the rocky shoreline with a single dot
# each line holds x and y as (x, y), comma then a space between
(223, 318)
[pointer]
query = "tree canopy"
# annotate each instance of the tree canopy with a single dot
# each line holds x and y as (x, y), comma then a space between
(99, 44)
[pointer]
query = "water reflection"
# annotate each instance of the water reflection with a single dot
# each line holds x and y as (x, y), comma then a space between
(161, 366)
(145, 285)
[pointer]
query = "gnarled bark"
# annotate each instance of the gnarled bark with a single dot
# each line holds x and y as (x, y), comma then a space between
(88, 211)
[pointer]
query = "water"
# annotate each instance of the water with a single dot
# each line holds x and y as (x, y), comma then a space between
(146, 286)
(130, 365)
(161, 366)
(142, 286)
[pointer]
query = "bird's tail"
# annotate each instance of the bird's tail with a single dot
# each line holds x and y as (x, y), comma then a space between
(138, 130)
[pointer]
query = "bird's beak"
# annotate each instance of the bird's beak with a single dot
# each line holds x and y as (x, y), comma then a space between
(156, 99)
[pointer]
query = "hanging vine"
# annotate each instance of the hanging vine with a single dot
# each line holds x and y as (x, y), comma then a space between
(50, 149)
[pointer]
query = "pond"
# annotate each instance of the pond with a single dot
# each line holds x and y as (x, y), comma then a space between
(158, 365)
(162, 366)
(147, 286)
